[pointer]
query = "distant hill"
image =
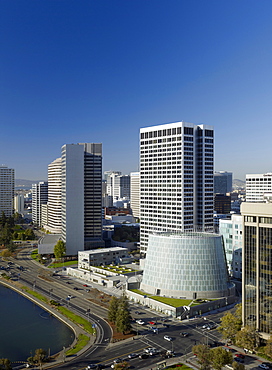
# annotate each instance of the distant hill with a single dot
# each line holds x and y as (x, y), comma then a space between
(236, 183)
(25, 184)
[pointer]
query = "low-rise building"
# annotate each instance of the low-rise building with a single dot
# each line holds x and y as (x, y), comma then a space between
(103, 256)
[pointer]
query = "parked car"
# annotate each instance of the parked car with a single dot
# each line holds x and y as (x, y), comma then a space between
(166, 337)
(140, 322)
(240, 355)
(184, 334)
(264, 366)
(241, 360)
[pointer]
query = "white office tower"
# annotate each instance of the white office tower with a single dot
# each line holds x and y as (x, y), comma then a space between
(135, 193)
(6, 190)
(19, 203)
(54, 197)
(118, 185)
(222, 182)
(176, 179)
(110, 177)
(39, 197)
(81, 196)
(257, 186)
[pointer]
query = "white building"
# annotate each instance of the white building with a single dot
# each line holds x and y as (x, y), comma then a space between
(39, 197)
(257, 185)
(135, 193)
(118, 185)
(176, 178)
(54, 197)
(6, 190)
(81, 196)
(19, 203)
(232, 232)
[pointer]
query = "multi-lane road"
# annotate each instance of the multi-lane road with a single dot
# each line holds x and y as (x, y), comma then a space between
(102, 351)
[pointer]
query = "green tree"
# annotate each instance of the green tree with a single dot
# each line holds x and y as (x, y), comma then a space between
(113, 307)
(3, 219)
(40, 356)
(6, 234)
(5, 364)
(203, 354)
(29, 233)
(268, 347)
(122, 366)
(247, 338)
(123, 318)
(220, 357)
(231, 324)
(60, 249)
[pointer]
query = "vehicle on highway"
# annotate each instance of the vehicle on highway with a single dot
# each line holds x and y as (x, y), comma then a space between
(241, 360)
(184, 334)
(116, 361)
(143, 355)
(69, 296)
(211, 326)
(85, 285)
(166, 337)
(132, 355)
(75, 288)
(140, 322)
(150, 350)
(239, 355)
(264, 366)
(91, 366)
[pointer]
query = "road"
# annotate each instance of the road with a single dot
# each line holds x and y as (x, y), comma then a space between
(57, 288)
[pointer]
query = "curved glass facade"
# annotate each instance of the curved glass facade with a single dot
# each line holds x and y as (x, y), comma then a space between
(190, 265)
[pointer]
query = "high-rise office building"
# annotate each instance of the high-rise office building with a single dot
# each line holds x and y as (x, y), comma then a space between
(118, 185)
(54, 196)
(6, 190)
(257, 186)
(176, 178)
(81, 196)
(257, 266)
(39, 197)
(135, 193)
(19, 203)
(222, 182)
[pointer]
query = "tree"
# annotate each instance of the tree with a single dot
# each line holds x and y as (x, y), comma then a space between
(220, 357)
(238, 366)
(60, 249)
(113, 307)
(29, 233)
(268, 347)
(6, 235)
(231, 324)
(6, 253)
(247, 338)
(40, 356)
(5, 364)
(203, 354)
(123, 318)
(122, 366)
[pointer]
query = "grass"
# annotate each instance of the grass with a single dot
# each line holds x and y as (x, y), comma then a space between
(62, 264)
(34, 254)
(174, 302)
(35, 294)
(85, 324)
(117, 269)
(82, 341)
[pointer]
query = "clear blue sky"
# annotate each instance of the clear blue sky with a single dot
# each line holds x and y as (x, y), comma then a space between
(98, 70)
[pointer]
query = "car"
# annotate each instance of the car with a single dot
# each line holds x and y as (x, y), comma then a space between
(205, 326)
(184, 334)
(68, 282)
(240, 360)
(211, 326)
(132, 355)
(85, 285)
(91, 366)
(239, 355)
(75, 288)
(150, 349)
(166, 337)
(143, 355)
(69, 296)
(264, 366)
(138, 312)
(116, 361)
(151, 322)
(140, 322)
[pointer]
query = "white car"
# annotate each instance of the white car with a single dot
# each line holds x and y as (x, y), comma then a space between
(264, 366)
(69, 296)
(140, 322)
(166, 337)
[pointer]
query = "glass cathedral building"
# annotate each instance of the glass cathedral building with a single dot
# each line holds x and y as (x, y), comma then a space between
(186, 265)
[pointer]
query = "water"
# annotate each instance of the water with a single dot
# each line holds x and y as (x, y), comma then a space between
(25, 327)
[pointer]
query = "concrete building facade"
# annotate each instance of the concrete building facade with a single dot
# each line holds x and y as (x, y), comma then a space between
(54, 196)
(176, 178)
(6, 190)
(135, 193)
(81, 196)
(39, 197)
(222, 182)
(258, 185)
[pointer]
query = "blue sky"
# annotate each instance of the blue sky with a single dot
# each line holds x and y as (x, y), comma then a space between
(98, 70)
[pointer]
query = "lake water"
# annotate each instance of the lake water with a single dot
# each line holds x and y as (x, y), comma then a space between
(25, 327)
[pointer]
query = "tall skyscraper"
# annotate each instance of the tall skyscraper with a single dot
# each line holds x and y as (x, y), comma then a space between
(6, 190)
(135, 193)
(39, 197)
(81, 196)
(54, 196)
(257, 266)
(118, 185)
(176, 178)
(222, 182)
(257, 186)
